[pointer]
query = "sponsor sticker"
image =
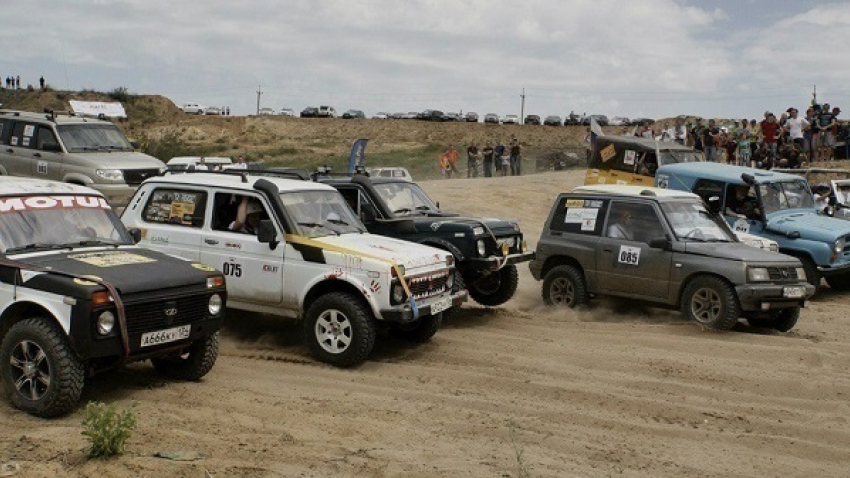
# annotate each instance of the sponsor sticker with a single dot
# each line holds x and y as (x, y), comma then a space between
(575, 202)
(203, 267)
(629, 157)
(81, 281)
(111, 259)
(607, 152)
(35, 203)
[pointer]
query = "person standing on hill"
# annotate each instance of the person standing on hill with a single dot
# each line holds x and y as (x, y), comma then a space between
(41, 81)
(770, 134)
(488, 159)
(516, 157)
(472, 155)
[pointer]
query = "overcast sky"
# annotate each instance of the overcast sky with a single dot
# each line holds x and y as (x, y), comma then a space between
(647, 58)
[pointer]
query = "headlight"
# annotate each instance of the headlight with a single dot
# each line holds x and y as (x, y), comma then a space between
(774, 247)
(450, 260)
(758, 274)
(477, 231)
(110, 174)
(450, 280)
(105, 322)
(839, 246)
(801, 273)
(398, 293)
(482, 249)
(215, 304)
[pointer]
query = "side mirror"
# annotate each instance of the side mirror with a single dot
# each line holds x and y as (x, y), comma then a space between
(368, 213)
(660, 243)
(714, 204)
(136, 234)
(748, 178)
(267, 234)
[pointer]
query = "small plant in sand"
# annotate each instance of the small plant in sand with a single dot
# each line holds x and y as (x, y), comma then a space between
(523, 469)
(107, 429)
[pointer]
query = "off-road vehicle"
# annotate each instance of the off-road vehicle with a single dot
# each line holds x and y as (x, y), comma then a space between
(665, 248)
(61, 146)
(297, 250)
(486, 250)
(778, 207)
(78, 297)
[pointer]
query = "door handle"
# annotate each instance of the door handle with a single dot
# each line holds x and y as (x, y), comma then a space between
(608, 250)
(36, 155)
(211, 242)
(10, 150)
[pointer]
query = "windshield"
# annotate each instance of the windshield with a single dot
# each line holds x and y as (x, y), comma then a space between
(785, 195)
(691, 221)
(93, 137)
(320, 213)
(404, 199)
(50, 222)
(673, 156)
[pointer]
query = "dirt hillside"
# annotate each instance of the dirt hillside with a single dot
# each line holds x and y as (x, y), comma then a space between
(522, 390)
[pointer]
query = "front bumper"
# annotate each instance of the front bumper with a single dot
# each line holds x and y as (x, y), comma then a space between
(835, 270)
(403, 314)
(760, 297)
(117, 195)
(493, 263)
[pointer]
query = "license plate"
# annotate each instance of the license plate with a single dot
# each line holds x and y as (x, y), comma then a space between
(441, 305)
(793, 292)
(165, 336)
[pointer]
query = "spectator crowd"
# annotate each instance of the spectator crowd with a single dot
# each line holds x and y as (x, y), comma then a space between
(13, 82)
(488, 161)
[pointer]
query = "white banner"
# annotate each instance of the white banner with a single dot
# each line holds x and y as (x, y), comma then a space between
(94, 108)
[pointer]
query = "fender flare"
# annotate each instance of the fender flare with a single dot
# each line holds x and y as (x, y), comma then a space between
(445, 245)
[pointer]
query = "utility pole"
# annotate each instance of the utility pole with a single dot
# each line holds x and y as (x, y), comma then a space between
(259, 93)
(522, 108)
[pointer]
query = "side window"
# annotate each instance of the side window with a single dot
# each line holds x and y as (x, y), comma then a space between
(633, 222)
(3, 128)
(23, 135)
(227, 215)
(352, 197)
(579, 216)
(176, 206)
(706, 188)
(46, 139)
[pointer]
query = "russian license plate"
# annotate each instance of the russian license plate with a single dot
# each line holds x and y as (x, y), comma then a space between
(441, 305)
(793, 292)
(165, 336)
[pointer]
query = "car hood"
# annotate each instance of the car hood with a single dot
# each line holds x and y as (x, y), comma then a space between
(738, 251)
(119, 159)
(411, 255)
(450, 222)
(130, 270)
(809, 224)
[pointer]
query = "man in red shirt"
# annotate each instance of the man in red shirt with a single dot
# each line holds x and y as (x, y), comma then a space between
(770, 129)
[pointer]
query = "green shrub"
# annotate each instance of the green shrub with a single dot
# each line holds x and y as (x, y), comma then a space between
(120, 94)
(106, 429)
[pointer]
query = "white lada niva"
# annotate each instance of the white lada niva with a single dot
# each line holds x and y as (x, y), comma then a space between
(293, 248)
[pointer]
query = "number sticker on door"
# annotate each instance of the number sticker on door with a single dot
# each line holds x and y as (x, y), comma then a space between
(232, 269)
(629, 255)
(741, 225)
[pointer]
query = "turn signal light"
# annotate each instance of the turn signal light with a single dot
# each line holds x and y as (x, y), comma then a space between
(215, 281)
(101, 298)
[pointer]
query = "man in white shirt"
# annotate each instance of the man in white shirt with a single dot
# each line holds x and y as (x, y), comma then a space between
(794, 127)
(621, 227)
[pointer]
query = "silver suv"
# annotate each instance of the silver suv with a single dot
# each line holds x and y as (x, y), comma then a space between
(73, 149)
(664, 247)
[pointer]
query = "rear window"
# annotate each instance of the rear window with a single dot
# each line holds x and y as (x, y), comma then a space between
(579, 216)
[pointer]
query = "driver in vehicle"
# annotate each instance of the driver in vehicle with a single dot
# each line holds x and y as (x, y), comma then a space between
(743, 203)
(621, 227)
(248, 216)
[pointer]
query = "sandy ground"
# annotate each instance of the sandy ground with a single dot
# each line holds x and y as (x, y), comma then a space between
(521, 390)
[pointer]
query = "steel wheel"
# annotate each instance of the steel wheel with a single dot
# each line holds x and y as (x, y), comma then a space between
(706, 305)
(562, 292)
(333, 331)
(30, 370)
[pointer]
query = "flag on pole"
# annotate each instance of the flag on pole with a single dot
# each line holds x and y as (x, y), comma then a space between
(358, 154)
(595, 130)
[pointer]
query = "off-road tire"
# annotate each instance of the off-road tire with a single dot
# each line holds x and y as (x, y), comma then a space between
(840, 283)
(41, 343)
(711, 302)
(420, 331)
(192, 365)
(785, 319)
(497, 288)
(564, 286)
(352, 341)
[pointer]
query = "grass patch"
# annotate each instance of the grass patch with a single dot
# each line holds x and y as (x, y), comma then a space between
(107, 429)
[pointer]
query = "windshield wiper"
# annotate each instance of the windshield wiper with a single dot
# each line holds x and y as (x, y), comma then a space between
(401, 210)
(36, 246)
(91, 242)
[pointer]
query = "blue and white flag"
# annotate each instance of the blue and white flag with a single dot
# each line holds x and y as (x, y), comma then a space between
(595, 131)
(358, 154)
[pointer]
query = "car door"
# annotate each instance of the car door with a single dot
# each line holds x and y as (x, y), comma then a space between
(626, 265)
(47, 156)
(18, 154)
(173, 219)
(254, 271)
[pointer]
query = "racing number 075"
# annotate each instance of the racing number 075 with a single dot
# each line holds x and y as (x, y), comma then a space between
(232, 269)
